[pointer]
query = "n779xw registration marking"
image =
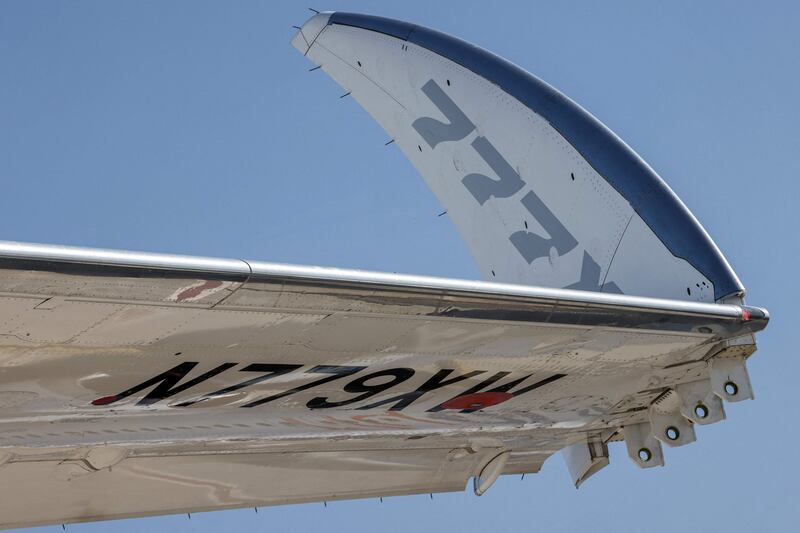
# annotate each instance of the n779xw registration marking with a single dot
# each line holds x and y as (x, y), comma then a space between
(491, 390)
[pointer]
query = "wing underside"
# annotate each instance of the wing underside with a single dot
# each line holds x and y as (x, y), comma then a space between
(137, 384)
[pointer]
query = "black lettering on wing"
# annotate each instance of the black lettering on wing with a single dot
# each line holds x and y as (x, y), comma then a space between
(166, 384)
(338, 372)
(397, 375)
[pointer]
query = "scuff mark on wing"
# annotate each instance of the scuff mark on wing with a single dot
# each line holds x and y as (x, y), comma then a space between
(198, 291)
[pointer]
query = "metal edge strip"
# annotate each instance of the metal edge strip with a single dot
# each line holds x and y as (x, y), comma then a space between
(257, 269)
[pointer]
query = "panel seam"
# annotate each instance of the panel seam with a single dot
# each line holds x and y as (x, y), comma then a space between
(611, 263)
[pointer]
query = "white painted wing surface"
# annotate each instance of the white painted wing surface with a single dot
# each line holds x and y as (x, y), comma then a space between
(136, 384)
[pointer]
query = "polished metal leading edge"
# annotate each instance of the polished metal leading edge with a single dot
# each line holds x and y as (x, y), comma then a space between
(43, 254)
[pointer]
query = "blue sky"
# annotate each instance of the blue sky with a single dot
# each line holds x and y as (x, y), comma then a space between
(194, 127)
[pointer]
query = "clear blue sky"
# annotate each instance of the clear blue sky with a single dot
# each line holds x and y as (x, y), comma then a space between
(194, 127)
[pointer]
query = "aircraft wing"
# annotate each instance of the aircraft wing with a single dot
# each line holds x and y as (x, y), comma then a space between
(136, 384)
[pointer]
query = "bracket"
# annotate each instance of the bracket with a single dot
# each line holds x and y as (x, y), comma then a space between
(585, 458)
(699, 403)
(643, 449)
(668, 424)
(730, 380)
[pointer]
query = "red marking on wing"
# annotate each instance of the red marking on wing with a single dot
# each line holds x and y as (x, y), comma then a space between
(746, 315)
(105, 400)
(193, 292)
(479, 400)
